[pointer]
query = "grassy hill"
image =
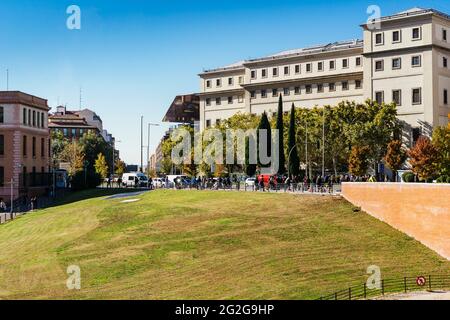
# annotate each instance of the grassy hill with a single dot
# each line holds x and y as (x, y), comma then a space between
(203, 245)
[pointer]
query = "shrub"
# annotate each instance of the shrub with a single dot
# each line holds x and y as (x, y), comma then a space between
(443, 179)
(408, 177)
(81, 181)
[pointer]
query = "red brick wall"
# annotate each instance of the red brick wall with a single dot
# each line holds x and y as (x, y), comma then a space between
(420, 210)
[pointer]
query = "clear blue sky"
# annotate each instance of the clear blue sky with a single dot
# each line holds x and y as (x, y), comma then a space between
(132, 57)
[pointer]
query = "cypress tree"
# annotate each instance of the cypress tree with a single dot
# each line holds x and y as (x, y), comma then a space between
(280, 128)
(264, 124)
(294, 161)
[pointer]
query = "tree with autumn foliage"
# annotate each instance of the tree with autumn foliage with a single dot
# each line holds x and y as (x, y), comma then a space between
(101, 167)
(424, 158)
(358, 161)
(395, 156)
(441, 140)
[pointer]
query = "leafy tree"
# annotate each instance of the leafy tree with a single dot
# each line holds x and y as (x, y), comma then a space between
(73, 154)
(294, 161)
(58, 143)
(280, 128)
(441, 140)
(93, 144)
(424, 158)
(120, 167)
(100, 166)
(358, 161)
(395, 156)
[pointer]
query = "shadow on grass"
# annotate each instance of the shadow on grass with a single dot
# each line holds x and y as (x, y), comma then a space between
(77, 196)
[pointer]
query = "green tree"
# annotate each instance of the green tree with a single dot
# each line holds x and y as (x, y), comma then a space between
(294, 161)
(441, 141)
(358, 161)
(100, 166)
(280, 128)
(264, 125)
(424, 158)
(120, 167)
(93, 144)
(395, 156)
(73, 154)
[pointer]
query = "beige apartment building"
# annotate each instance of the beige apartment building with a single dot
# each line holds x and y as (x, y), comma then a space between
(405, 60)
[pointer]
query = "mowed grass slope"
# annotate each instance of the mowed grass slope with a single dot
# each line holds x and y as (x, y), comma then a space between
(203, 245)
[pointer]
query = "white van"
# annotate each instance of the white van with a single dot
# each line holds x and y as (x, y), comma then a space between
(134, 180)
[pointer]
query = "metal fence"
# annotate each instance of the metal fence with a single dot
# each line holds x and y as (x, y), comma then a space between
(389, 286)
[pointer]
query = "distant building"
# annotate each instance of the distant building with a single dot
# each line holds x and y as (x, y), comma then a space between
(132, 168)
(24, 145)
(71, 124)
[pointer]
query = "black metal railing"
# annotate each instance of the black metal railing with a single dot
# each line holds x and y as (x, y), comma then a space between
(33, 180)
(390, 286)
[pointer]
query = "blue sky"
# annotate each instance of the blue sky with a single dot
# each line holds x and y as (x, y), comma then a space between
(132, 57)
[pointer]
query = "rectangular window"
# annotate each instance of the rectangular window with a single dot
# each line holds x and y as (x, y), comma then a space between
(320, 66)
(444, 34)
(24, 116)
(74, 132)
(308, 67)
(379, 65)
(286, 70)
(218, 82)
(297, 68)
(230, 100)
(286, 91)
(416, 33)
(2, 115)
(263, 93)
(344, 63)
(396, 36)
(444, 62)
(445, 100)
(2, 145)
(358, 61)
(33, 147)
(2, 176)
(42, 147)
(417, 96)
(396, 63)
(397, 97)
(320, 87)
(218, 101)
(275, 72)
(208, 123)
(274, 92)
(34, 118)
(297, 90)
(253, 74)
(240, 99)
(345, 85)
(230, 81)
(379, 39)
(217, 122)
(416, 61)
(208, 83)
(24, 146)
(29, 117)
(358, 84)
(332, 86)
(379, 97)
(252, 94)
(332, 65)
(264, 73)
(65, 132)
(308, 89)
(42, 120)
(208, 101)
(241, 79)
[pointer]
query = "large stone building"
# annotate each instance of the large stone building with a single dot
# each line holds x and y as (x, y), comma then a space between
(71, 124)
(24, 145)
(404, 61)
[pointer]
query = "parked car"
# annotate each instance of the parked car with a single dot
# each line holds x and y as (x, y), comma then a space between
(135, 180)
(250, 182)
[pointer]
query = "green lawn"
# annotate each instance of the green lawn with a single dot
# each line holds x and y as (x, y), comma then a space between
(203, 245)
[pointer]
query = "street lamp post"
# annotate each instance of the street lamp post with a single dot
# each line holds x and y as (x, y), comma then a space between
(289, 161)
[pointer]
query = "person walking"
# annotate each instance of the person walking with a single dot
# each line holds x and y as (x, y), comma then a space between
(2, 205)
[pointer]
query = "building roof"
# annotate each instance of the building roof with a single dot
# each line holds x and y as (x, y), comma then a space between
(413, 12)
(18, 97)
(329, 47)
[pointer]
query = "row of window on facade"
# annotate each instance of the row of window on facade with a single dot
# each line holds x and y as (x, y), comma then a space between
(34, 175)
(33, 118)
(25, 146)
(397, 97)
(309, 68)
(416, 61)
(396, 36)
(73, 132)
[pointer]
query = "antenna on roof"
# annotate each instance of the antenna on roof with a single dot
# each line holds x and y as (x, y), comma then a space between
(81, 98)
(7, 79)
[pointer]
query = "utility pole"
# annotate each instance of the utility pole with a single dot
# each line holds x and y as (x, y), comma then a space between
(306, 148)
(323, 144)
(12, 196)
(142, 143)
